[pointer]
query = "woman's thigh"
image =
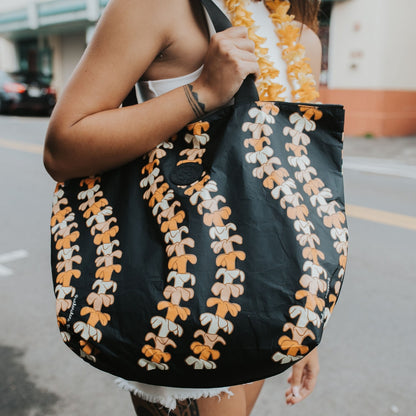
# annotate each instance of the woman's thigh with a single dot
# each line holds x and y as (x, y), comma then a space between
(184, 408)
(252, 393)
(240, 404)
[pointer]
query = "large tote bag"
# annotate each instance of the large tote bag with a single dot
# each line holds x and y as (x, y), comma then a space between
(217, 258)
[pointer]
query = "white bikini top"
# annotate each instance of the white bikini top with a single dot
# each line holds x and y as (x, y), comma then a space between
(146, 90)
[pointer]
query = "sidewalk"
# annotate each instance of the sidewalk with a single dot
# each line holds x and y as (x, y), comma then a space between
(397, 149)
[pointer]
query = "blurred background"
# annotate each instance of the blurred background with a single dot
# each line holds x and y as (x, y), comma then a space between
(367, 361)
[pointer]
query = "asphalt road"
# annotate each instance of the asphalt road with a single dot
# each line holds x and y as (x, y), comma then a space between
(367, 361)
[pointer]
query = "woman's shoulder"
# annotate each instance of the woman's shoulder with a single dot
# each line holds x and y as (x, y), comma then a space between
(309, 39)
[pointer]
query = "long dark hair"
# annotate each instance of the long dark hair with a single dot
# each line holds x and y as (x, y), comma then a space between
(305, 11)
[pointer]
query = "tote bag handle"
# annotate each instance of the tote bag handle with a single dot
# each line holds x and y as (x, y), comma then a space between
(247, 92)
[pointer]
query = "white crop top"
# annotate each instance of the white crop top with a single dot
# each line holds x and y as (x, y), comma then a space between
(146, 90)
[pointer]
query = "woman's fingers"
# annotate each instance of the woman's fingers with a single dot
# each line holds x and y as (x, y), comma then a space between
(241, 41)
(234, 32)
(303, 378)
(293, 393)
(229, 60)
(245, 45)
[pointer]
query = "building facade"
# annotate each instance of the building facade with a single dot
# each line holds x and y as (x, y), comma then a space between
(368, 63)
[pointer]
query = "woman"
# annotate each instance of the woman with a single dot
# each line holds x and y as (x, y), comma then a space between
(90, 133)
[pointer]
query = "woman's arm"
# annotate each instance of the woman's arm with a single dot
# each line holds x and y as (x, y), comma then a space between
(89, 133)
(303, 378)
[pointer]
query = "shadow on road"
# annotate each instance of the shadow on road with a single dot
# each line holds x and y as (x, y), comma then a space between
(19, 396)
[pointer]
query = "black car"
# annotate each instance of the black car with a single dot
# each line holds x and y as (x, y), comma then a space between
(26, 91)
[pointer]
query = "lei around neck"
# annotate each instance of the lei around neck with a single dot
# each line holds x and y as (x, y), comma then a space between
(299, 72)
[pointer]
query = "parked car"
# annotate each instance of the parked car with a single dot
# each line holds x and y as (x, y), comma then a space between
(26, 91)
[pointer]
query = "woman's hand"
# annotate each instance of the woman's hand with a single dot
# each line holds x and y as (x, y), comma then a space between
(303, 378)
(229, 60)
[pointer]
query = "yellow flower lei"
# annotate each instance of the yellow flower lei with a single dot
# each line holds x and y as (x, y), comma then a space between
(299, 71)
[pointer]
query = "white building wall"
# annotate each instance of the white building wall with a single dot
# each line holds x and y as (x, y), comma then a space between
(372, 44)
(72, 48)
(6, 5)
(8, 56)
(399, 45)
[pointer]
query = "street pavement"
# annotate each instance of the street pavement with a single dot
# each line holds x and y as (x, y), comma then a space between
(366, 356)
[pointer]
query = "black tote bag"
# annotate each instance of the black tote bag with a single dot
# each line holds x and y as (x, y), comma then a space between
(214, 260)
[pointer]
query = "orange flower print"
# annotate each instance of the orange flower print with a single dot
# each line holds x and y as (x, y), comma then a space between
(193, 156)
(67, 255)
(297, 149)
(90, 182)
(174, 310)
(161, 343)
(197, 187)
(293, 347)
(310, 112)
(64, 278)
(97, 301)
(179, 247)
(172, 223)
(201, 193)
(226, 245)
(313, 254)
(60, 216)
(224, 307)
(65, 242)
(332, 300)
(256, 143)
(95, 316)
(177, 294)
(179, 263)
(268, 108)
(209, 203)
(106, 272)
(155, 354)
(158, 194)
(312, 301)
(278, 177)
(154, 181)
(216, 218)
(204, 351)
(228, 260)
(169, 212)
(105, 237)
(225, 291)
(300, 212)
(313, 186)
(95, 208)
(298, 333)
(335, 220)
(63, 305)
(150, 166)
(199, 127)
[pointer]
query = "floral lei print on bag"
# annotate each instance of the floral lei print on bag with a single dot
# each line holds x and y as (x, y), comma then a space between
(62, 228)
(283, 188)
(96, 210)
(213, 217)
(223, 243)
(169, 217)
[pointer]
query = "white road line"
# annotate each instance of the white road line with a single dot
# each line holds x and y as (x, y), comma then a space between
(9, 257)
(380, 166)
